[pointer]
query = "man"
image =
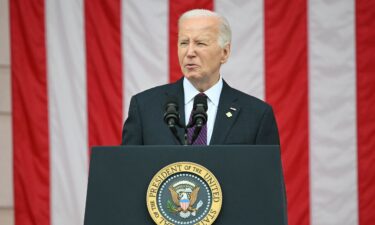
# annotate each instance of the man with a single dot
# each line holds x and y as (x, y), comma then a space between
(204, 44)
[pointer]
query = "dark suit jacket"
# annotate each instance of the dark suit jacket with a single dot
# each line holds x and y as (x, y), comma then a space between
(253, 121)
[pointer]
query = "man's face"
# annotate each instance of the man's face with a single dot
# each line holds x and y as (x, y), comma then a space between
(199, 53)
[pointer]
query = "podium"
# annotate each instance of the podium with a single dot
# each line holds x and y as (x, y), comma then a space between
(250, 178)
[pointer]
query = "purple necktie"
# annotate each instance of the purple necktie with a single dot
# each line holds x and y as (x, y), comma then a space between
(202, 137)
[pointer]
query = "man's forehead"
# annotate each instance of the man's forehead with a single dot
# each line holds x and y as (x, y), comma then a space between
(208, 34)
(200, 26)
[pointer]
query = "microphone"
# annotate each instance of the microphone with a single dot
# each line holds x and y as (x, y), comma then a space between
(199, 115)
(171, 115)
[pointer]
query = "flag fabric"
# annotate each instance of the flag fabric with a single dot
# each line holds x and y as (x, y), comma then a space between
(76, 64)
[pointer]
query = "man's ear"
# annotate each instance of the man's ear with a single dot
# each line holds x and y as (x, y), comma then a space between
(226, 53)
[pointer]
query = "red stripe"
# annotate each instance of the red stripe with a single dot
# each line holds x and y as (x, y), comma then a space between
(30, 113)
(104, 71)
(365, 38)
(287, 91)
(176, 9)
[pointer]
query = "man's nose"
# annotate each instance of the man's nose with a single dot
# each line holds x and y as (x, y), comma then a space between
(191, 50)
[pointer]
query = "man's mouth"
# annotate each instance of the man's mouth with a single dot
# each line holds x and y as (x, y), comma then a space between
(191, 66)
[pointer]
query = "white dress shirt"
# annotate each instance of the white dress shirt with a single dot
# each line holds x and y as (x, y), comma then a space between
(213, 96)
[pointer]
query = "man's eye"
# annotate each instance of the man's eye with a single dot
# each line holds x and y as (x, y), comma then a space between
(183, 43)
(201, 44)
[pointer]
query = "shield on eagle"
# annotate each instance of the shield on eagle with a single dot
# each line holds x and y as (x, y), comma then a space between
(184, 194)
(184, 203)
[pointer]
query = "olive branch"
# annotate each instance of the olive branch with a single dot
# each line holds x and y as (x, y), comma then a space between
(171, 207)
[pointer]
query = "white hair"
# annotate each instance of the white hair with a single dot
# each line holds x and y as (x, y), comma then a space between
(225, 33)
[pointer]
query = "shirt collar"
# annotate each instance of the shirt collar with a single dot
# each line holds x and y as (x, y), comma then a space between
(213, 93)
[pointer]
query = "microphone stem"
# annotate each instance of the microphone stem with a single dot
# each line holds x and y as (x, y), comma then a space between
(186, 136)
(174, 132)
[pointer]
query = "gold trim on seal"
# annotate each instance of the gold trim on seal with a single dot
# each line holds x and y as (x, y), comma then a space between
(184, 167)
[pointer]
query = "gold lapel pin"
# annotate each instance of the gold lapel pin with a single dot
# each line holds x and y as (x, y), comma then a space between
(229, 114)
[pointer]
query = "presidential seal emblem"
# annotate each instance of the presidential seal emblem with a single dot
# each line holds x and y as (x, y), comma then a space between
(184, 193)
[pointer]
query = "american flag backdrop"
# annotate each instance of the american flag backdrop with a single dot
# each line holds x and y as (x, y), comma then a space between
(76, 64)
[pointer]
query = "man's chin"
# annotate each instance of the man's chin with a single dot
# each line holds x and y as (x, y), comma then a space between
(194, 77)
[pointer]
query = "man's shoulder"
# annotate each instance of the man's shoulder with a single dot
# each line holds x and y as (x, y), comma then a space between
(247, 100)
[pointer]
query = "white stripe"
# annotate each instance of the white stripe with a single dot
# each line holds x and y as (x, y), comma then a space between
(67, 110)
(332, 83)
(245, 67)
(145, 46)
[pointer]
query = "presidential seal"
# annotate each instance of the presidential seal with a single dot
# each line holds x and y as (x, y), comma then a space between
(184, 193)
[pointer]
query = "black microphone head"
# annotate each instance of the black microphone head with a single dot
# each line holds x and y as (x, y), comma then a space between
(199, 116)
(200, 100)
(171, 101)
(171, 115)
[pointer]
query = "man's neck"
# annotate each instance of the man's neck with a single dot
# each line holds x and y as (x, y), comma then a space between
(204, 85)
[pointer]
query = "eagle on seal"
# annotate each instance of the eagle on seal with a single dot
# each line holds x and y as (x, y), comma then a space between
(184, 199)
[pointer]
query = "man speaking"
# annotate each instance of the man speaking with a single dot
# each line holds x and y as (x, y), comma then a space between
(200, 108)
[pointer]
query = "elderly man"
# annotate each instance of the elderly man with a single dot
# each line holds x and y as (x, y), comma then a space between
(204, 44)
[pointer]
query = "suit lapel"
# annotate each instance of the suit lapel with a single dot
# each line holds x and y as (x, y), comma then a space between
(226, 116)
